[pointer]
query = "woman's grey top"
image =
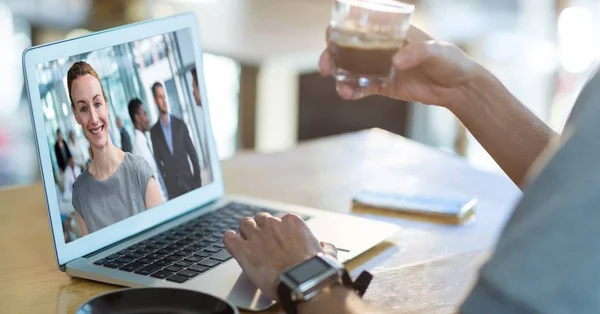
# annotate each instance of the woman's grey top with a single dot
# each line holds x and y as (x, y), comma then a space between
(102, 203)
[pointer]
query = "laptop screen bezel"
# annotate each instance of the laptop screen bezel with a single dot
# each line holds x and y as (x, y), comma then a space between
(66, 252)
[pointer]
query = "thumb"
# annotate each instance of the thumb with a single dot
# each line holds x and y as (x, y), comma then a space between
(413, 55)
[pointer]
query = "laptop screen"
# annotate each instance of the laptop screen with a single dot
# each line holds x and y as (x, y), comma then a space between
(125, 129)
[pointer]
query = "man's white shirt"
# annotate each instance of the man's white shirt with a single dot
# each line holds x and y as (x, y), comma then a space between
(142, 149)
(69, 177)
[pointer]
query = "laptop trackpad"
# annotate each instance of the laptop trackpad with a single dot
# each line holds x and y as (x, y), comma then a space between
(228, 281)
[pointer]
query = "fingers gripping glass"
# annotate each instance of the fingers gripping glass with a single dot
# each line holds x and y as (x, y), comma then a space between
(365, 35)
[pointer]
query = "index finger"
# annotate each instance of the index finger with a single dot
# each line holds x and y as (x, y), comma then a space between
(415, 34)
(234, 244)
(325, 63)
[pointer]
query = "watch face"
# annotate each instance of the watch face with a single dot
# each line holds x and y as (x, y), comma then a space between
(307, 270)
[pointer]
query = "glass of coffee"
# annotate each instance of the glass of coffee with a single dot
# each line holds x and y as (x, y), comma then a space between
(364, 37)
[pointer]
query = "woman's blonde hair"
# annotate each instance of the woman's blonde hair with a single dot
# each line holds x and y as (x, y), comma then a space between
(79, 69)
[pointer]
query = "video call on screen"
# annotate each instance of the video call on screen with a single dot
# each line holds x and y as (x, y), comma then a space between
(150, 110)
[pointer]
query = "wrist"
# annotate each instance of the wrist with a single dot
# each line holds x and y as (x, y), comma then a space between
(331, 252)
(332, 300)
(317, 276)
(482, 88)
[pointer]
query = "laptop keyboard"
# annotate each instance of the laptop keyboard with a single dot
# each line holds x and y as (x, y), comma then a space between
(186, 250)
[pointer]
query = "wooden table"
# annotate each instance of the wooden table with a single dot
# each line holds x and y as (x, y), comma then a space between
(424, 268)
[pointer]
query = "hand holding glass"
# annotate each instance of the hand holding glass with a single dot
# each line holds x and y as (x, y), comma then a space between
(364, 37)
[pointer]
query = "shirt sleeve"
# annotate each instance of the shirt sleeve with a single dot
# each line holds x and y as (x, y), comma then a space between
(136, 145)
(66, 182)
(547, 258)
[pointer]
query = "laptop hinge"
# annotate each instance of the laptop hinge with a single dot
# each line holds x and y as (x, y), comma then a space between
(108, 247)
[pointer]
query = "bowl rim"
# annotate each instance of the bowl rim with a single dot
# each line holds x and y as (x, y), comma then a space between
(81, 310)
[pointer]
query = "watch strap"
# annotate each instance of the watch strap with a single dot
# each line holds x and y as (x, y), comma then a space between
(361, 283)
(284, 294)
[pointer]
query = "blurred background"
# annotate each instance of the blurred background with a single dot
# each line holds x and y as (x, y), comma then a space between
(261, 67)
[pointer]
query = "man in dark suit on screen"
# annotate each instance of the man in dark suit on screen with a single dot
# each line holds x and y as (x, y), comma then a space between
(172, 146)
(62, 151)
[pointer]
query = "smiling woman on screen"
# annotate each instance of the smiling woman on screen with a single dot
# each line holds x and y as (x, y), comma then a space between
(117, 185)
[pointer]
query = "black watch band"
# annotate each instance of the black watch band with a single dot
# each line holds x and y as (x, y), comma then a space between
(284, 293)
(360, 284)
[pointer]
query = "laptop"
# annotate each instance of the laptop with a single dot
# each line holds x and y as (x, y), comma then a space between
(115, 232)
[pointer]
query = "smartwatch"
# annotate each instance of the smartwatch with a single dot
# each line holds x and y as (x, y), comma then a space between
(311, 277)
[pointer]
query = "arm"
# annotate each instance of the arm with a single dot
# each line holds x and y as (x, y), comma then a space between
(338, 300)
(82, 225)
(509, 132)
(192, 153)
(153, 196)
(438, 73)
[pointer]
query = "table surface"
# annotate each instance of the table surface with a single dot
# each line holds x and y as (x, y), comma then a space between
(426, 267)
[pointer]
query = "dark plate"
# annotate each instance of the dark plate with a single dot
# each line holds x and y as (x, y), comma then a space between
(156, 301)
